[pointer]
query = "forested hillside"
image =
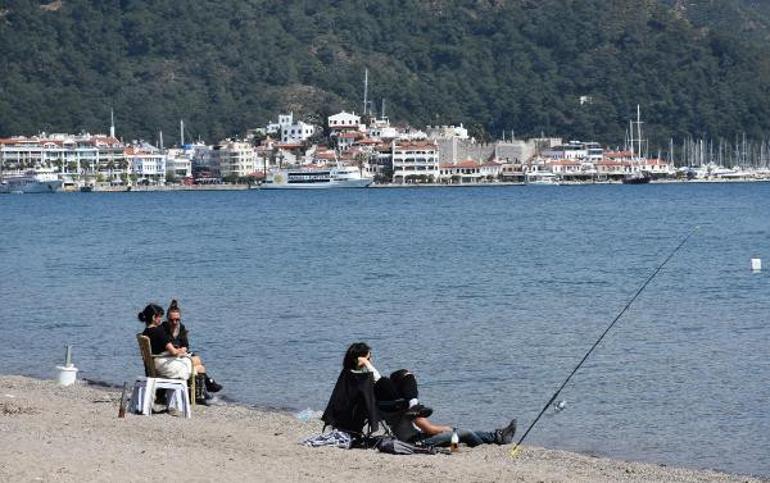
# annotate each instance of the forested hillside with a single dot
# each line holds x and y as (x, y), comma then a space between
(228, 65)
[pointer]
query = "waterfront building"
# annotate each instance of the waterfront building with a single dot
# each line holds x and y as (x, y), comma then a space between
(566, 167)
(470, 171)
(97, 156)
(574, 150)
(455, 149)
(234, 158)
(657, 167)
(146, 163)
(415, 162)
(178, 165)
(512, 172)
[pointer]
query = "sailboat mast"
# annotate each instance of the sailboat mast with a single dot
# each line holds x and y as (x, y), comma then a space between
(366, 90)
(639, 128)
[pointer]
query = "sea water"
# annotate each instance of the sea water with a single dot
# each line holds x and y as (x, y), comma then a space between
(490, 295)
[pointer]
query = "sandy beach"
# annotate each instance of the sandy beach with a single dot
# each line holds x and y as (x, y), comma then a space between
(52, 433)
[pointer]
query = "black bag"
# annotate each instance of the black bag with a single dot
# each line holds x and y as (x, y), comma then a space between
(391, 445)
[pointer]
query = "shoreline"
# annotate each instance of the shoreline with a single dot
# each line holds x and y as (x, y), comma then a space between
(73, 434)
(498, 184)
(495, 184)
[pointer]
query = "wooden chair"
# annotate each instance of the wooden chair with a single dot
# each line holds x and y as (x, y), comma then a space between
(151, 376)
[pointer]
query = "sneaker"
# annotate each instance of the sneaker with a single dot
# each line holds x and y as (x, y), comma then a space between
(212, 386)
(505, 435)
(418, 411)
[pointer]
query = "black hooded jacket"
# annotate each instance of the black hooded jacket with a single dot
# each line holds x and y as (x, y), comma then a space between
(352, 403)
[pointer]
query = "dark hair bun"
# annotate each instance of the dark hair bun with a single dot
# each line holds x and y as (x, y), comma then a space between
(173, 306)
(142, 317)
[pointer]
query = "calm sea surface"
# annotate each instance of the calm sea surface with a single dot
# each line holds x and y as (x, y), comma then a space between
(490, 295)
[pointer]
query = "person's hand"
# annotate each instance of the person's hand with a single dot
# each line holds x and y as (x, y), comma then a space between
(362, 361)
(183, 351)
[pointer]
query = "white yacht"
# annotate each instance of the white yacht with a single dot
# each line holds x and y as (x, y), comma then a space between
(339, 177)
(30, 182)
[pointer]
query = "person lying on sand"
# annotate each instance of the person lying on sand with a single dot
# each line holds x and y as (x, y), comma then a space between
(412, 424)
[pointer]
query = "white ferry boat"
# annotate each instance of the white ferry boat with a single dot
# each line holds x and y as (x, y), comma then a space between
(30, 182)
(341, 177)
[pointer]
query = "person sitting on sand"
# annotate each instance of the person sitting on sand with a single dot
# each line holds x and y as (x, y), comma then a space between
(352, 404)
(413, 426)
(178, 336)
(175, 363)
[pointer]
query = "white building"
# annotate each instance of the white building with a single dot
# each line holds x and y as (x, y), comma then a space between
(147, 164)
(234, 158)
(297, 132)
(178, 164)
(284, 120)
(381, 129)
(343, 122)
(415, 162)
(77, 156)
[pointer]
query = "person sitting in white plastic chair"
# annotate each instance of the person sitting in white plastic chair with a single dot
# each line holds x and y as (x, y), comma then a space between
(175, 362)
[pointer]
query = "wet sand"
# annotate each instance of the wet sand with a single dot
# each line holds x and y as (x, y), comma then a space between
(51, 433)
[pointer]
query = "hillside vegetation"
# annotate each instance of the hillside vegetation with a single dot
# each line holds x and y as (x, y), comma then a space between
(496, 65)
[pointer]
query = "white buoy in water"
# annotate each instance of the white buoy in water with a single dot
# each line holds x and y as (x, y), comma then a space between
(756, 264)
(68, 372)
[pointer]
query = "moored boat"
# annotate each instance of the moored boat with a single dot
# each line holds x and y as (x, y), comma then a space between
(542, 178)
(342, 177)
(30, 182)
(640, 177)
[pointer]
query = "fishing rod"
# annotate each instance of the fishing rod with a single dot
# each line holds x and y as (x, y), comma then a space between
(515, 449)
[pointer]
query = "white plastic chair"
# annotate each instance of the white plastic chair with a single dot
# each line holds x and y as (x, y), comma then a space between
(143, 393)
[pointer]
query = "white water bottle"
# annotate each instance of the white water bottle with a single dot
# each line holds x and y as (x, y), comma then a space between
(454, 441)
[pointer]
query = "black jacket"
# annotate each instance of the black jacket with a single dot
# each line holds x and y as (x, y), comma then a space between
(352, 404)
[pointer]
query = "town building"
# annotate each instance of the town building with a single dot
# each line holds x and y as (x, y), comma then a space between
(415, 162)
(344, 122)
(234, 158)
(76, 156)
(146, 163)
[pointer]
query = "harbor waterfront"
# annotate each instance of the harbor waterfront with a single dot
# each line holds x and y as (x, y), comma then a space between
(490, 295)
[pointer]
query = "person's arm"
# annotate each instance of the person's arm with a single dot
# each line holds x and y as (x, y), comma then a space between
(181, 351)
(364, 362)
(429, 428)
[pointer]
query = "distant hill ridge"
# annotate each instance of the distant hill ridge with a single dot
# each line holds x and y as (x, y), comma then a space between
(697, 68)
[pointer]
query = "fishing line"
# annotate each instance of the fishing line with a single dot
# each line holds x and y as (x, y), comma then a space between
(515, 448)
